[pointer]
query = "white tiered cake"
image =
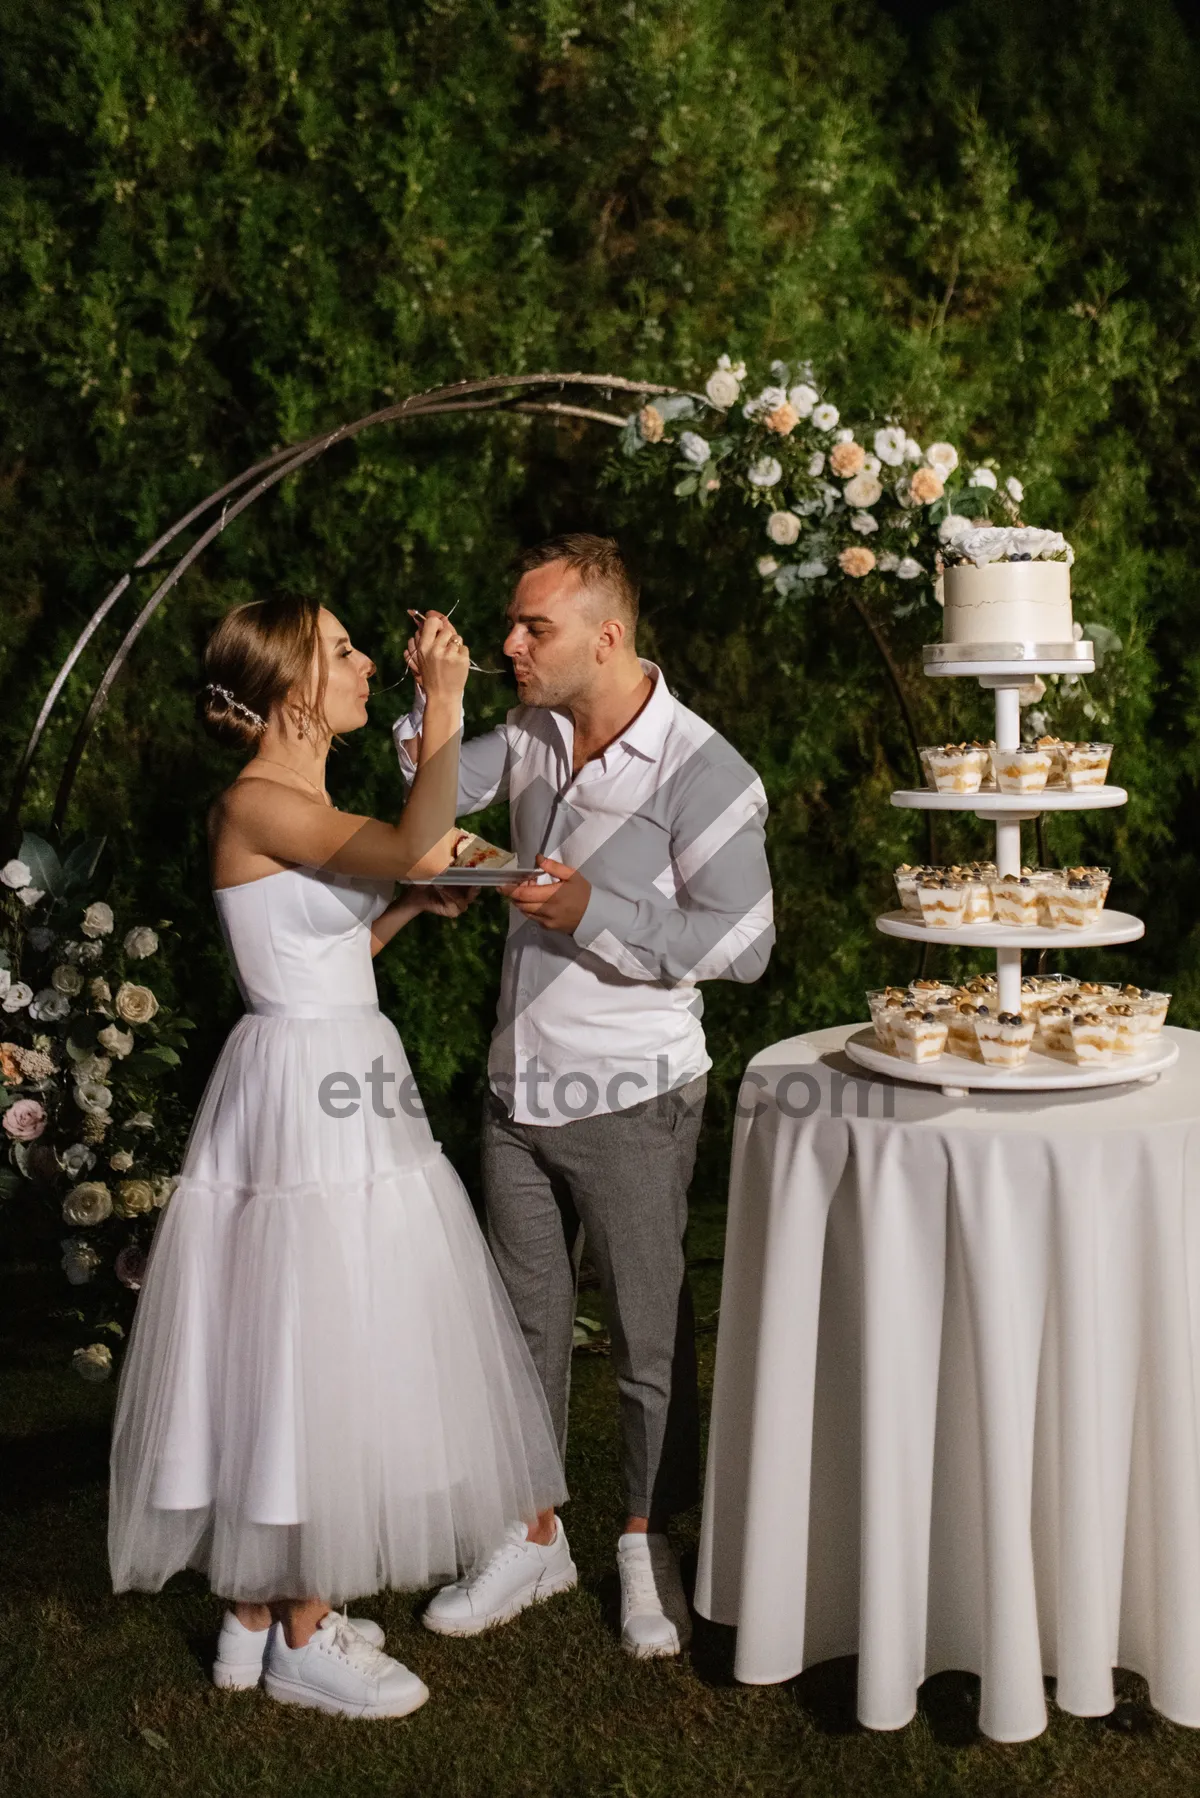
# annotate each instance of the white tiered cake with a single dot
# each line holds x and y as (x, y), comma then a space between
(1008, 602)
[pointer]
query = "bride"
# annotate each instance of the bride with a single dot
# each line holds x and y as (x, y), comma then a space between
(325, 1390)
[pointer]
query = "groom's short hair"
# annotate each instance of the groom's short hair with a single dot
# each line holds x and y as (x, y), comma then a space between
(598, 562)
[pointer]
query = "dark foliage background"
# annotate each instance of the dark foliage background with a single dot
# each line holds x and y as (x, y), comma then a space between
(226, 225)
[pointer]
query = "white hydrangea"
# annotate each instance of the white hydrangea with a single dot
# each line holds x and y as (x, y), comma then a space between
(765, 472)
(803, 398)
(943, 457)
(825, 416)
(864, 522)
(783, 528)
(983, 477)
(889, 445)
(908, 568)
(694, 448)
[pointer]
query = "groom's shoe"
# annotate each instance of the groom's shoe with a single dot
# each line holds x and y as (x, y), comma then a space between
(518, 1574)
(241, 1652)
(654, 1611)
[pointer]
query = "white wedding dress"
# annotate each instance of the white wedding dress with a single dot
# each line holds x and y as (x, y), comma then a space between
(325, 1389)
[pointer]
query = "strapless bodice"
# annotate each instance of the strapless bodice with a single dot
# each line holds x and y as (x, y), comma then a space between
(300, 940)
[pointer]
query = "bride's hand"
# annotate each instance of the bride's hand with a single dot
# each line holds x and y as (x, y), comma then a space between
(441, 658)
(448, 902)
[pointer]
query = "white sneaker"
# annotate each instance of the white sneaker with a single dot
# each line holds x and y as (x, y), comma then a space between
(339, 1671)
(654, 1612)
(518, 1574)
(241, 1651)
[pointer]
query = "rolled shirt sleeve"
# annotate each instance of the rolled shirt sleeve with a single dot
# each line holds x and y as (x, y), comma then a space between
(484, 763)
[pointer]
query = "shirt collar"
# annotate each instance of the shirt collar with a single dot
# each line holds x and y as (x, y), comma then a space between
(646, 734)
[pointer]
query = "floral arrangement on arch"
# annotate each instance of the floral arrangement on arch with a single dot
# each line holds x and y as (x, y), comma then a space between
(88, 1130)
(871, 504)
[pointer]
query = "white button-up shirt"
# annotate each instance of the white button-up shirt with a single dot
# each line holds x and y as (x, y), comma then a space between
(667, 826)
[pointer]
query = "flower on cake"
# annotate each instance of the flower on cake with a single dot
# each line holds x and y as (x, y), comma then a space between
(1007, 543)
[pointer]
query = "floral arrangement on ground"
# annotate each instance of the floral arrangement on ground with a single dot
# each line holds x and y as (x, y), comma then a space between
(90, 1126)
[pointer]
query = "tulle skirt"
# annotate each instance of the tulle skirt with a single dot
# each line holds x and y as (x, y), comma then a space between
(325, 1389)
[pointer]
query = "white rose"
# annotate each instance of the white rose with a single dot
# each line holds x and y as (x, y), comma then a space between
(864, 522)
(118, 1042)
(767, 566)
(88, 1203)
(134, 1198)
(29, 896)
(723, 388)
(825, 416)
(140, 942)
(135, 1004)
(66, 979)
(79, 1261)
(943, 457)
(694, 449)
(94, 1362)
(15, 874)
(811, 571)
(863, 490)
(983, 477)
(954, 526)
(889, 445)
(765, 472)
(17, 995)
(783, 527)
(48, 1006)
(908, 569)
(1014, 489)
(97, 920)
(93, 1097)
(912, 450)
(76, 1160)
(803, 398)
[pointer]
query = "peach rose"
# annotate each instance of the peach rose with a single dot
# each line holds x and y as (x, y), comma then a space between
(783, 420)
(926, 486)
(650, 424)
(857, 561)
(10, 1067)
(846, 459)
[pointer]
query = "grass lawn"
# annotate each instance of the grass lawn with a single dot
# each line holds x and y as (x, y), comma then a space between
(110, 1698)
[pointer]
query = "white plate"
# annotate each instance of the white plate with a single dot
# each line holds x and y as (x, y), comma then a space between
(1114, 927)
(481, 877)
(1010, 805)
(1041, 1073)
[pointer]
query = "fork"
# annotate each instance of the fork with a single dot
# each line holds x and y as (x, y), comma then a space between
(420, 618)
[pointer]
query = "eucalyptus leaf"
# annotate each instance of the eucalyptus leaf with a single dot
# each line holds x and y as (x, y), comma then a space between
(79, 868)
(45, 869)
(687, 485)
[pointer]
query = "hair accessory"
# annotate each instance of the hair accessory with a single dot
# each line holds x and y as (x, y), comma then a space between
(236, 706)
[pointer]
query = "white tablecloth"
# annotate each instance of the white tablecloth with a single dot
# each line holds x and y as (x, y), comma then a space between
(956, 1421)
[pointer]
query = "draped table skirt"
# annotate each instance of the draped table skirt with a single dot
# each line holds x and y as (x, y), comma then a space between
(956, 1418)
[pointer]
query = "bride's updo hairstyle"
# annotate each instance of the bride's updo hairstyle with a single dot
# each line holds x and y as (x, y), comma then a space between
(256, 656)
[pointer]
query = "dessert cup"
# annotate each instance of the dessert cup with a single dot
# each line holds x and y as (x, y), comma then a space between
(918, 1035)
(1086, 765)
(943, 901)
(1093, 1034)
(927, 768)
(1155, 1007)
(1056, 749)
(927, 995)
(1054, 1025)
(1004, 1040)
(879, 1001)
(906, 877)
(956, 768)
(1022, 770)
(1014, 900)
(1132, 1028)
(1075, 904)
(961, 1038)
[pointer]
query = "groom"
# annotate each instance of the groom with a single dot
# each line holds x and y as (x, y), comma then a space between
(652, 827)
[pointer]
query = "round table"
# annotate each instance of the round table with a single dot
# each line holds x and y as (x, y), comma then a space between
(956, 1418)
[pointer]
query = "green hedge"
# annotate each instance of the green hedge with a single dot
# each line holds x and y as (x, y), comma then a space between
(225, 226)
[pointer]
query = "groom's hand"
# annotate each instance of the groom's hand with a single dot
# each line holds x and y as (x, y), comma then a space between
(558, 907)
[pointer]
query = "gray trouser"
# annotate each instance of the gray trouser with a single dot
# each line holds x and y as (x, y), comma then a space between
(621, 1179)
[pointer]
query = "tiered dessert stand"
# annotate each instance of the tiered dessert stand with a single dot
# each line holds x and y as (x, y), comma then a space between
(1004, 668)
